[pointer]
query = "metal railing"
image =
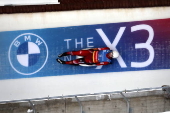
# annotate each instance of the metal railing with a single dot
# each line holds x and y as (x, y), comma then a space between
(164, 88)
(77, 95)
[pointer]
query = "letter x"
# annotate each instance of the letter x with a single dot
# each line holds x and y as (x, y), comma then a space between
(114, 44)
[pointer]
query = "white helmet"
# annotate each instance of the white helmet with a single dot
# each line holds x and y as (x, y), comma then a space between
(115, 54)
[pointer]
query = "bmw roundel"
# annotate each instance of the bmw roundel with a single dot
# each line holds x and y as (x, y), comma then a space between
(28, 53)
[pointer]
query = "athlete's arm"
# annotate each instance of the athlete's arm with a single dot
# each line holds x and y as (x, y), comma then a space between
(102, 63)
(96, 49)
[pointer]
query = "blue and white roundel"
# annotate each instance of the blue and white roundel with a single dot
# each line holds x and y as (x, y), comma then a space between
(28, 54)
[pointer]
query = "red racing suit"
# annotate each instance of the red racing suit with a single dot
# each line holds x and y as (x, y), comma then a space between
(90, 57)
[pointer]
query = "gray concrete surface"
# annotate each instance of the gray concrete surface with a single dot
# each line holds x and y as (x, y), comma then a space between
(140, 102)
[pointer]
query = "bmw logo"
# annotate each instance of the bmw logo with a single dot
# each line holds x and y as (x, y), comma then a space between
(28, 53)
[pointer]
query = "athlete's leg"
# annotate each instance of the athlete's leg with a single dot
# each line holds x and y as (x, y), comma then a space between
(78, 53)
(76, 61)
(87, 61)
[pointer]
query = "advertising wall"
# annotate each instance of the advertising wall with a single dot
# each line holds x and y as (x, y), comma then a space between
(143, 45)
(28, 53)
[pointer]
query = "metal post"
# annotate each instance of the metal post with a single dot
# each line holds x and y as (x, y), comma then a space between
(166, 89)
(127, 102)
(33, 107)
(81, 107)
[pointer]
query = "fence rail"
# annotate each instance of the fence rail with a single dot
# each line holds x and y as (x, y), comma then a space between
(87, 94)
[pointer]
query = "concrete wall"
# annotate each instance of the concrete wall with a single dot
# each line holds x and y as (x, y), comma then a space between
(140, 102)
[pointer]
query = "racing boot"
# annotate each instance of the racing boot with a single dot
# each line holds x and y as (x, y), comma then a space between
(60, 61)
(63, 54)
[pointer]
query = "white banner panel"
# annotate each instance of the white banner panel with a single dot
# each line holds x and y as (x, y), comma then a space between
(27, 2)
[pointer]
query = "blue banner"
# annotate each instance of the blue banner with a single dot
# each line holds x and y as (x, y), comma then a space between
(143, 45)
